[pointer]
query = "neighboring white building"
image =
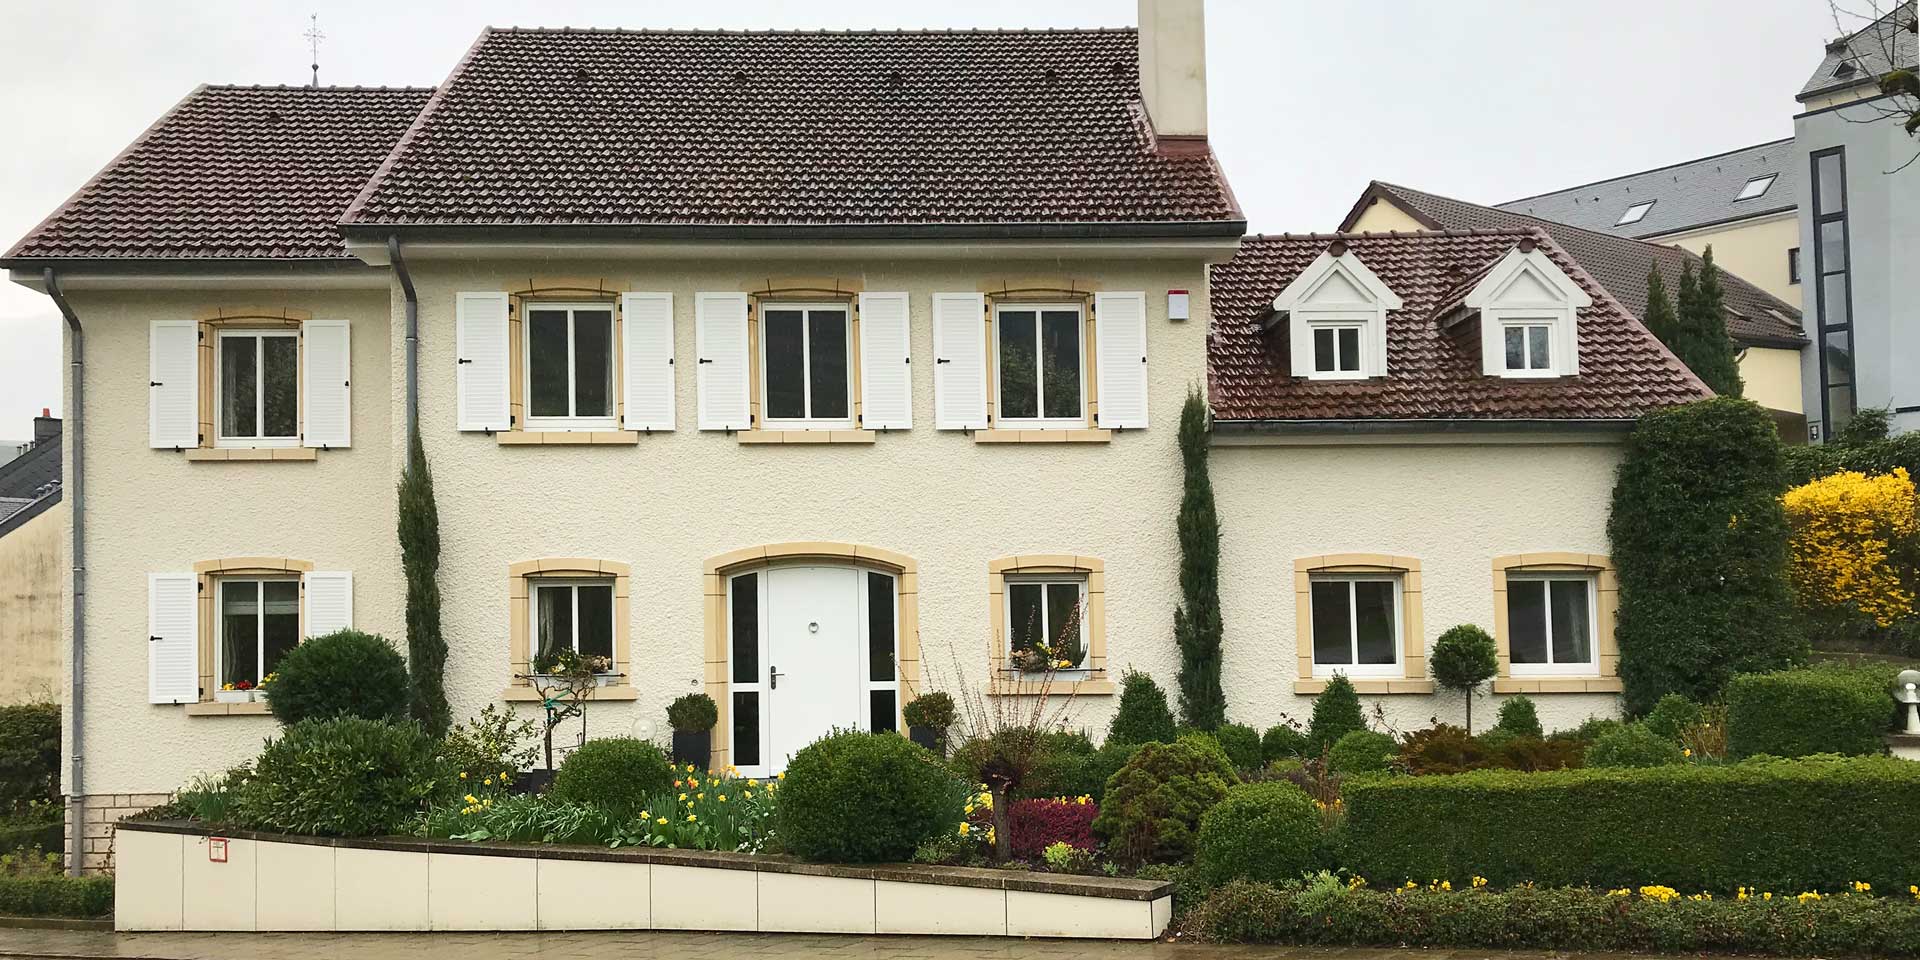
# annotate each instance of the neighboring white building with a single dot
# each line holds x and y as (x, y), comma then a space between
(811, 370)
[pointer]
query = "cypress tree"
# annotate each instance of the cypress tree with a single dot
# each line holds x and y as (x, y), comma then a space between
(1701, 341)
(1196, 622)
(420, 558)
(1660, 319)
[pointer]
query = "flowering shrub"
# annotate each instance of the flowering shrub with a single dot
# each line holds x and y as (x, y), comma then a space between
(1039, 824)
(1852, 545)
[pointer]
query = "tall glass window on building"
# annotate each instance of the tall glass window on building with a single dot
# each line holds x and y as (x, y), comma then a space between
(1832, 289)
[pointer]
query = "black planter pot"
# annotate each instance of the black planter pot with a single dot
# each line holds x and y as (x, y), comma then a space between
(532, 781)
(933, 738)
(693, 746)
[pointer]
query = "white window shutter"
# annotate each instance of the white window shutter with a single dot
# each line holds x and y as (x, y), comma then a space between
(326, 383)
(173, 638)
(329, 602)
(959, 361)
(886, 378)
(173, 384)
(480, 340)
(646, 346)
(1120, 340)
(720, 335)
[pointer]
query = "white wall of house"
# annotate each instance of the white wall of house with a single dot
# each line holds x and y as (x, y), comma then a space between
(1453, 506)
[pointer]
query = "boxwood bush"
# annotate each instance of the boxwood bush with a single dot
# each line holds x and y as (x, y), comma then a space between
(1143, 716)
(1822, 709)
(1261, 831)
(1782, 825)
(853, 797)
(1282, 741)
(1362, 751)
(343, 777)
(1242, 744)
(29, 754)
(81, 898)
(1632, 745)
(343, 674)
(615, 773)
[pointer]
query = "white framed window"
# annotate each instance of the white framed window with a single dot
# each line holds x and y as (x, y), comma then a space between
(1356, 624)
(569, 366)
(258, 622)
(1634, 213)
(1528, 347)
(1047, 618)
(1040, 371)
(1756, 188)
(572, 615)
(806, 352)
(258, 378)
(1337, 349)
(1550, 624)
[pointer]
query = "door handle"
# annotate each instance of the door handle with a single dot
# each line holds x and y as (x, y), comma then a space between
(773, 678)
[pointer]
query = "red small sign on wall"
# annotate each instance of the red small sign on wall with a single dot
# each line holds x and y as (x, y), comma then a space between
(217, 849)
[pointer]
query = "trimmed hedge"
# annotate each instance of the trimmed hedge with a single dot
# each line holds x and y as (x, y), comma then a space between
(1262, 831)
(1362, 751)
(82, 898)
(29, 754)
(1562, 919)
(1782, 825)
(1823, 709)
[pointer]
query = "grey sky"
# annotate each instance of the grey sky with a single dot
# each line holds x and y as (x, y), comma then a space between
(1486, 100)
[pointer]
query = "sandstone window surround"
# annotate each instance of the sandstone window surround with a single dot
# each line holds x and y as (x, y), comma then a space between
(224, 384)
(1408, 673)
(775, 308)
(1010, 573)
(568, 296)
(524, 579)
(1601, 671)
(1022, 318)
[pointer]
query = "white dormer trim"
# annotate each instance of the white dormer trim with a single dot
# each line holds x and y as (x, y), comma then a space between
(1337, 292)
(1528, 293)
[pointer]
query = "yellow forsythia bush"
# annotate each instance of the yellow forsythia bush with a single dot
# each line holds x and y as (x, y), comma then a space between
(1851, 538)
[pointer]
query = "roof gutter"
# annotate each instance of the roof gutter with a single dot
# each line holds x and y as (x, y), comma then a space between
(1354, 428)
(413, 335)
(75, 486)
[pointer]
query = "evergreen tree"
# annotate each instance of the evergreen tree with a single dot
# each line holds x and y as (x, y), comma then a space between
(420, 559)
(1336, 713)
(1660, 318)
(1701, 340)
(1143, 716)
(1196, 622)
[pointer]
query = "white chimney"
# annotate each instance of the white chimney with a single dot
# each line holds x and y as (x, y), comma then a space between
(1173, 67)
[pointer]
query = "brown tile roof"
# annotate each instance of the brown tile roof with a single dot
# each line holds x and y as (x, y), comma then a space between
(573, 128)
(1754, 316)
(233, 172)
(1431, 374)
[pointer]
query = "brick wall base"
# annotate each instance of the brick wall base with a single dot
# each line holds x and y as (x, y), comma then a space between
(103, 810)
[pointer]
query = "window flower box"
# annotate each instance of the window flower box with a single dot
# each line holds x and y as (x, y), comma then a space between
(233, 696)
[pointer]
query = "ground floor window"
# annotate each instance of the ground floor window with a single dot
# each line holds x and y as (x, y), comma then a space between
(259, 622)
(572, 616)
(1356, 625)
(1046, 623)
(1550, 624)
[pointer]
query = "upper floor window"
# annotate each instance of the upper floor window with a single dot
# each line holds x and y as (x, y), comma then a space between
(1336, 315)
(1528, 310)
(259, 383)
(1756, 188)
(569, 366)
(806, 364)
(1529, 347)
(1039, 365)
(1793, 265)
(1635, 213)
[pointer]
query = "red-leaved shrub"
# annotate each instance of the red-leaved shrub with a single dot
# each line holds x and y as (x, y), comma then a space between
(1039, 824)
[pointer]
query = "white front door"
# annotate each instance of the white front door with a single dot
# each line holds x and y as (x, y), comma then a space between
(813, 656)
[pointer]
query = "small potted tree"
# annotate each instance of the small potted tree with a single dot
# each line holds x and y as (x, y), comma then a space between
(928, 717)
(692, 718)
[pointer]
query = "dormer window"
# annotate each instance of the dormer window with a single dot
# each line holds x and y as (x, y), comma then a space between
(1336, 317)
(1529, 316)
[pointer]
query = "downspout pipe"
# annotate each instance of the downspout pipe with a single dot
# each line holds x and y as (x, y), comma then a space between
(74, 491)
(413, 339)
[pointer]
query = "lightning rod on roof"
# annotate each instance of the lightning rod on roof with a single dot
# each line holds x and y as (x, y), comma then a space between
(314, 36)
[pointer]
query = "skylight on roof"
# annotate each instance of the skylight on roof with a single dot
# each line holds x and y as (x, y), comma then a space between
(1756, 187)
(1635, 213)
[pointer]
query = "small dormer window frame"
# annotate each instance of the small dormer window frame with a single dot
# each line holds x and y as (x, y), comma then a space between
(1505, 301)
(1307, 312)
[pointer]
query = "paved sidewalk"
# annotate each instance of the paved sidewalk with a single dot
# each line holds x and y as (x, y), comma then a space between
(655, 946)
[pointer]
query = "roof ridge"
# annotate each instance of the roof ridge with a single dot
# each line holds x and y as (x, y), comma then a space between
(1642, 173)
(801, 32)
(434, 100)
(1352, 234)
(323, 88)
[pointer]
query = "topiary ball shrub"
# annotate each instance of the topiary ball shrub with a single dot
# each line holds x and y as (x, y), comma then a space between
(1282, 741)
(1362, 751)
(617, 774)
(1518, 717)
(1261, 831)
(693, 713)
(1242, 744)
(1672, 714)
(1336, 713)
(855, 797)
(1632, 745)
(934, 710)
(1143, 716)
(1153, 806)
(343, 674)
(343, 777)
(1038, 824)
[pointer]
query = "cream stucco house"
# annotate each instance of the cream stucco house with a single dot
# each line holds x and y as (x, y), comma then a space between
(811, 370)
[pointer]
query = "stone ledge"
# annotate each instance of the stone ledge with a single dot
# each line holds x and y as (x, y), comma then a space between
(804, 436)
(216, 709)
(1558, 685)
(251, 454)
(566, 438)
(1043, 436)
(1372, 685)
(524, 693)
